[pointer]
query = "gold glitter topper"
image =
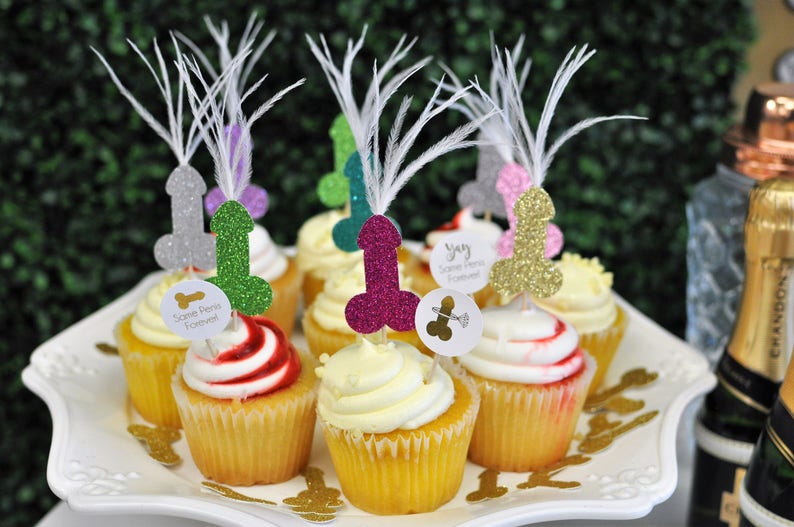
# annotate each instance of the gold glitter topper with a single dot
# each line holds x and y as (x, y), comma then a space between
(528, 270)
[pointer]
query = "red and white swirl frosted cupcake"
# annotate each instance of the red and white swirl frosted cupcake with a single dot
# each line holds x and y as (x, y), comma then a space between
(247, 404)
(533, 379)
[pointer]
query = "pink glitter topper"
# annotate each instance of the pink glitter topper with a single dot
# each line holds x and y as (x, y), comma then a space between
(513, 180)
(383, 303)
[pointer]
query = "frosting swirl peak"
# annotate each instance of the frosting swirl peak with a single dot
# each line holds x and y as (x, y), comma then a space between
(378, 388)
(528, 346)
(254, 359)
(147, 323)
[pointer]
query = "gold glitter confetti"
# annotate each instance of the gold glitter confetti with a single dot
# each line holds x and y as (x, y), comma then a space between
(107, 349)
(488, 487)
(317, 503)
(543, 478)
(632, 378)
(231, 494)
(528, 270)
(604, 432)
(158, 442)
(623, 405)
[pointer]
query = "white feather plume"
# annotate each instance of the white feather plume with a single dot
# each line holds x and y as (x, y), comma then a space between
(215, 114)
(220, 34)
(361, 115)
(383, 182)
(498, 131)
(530, 148)
(182, 146)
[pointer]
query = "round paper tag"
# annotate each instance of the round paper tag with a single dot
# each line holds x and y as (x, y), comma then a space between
(196, 309)
(448, 322)
(462, 261)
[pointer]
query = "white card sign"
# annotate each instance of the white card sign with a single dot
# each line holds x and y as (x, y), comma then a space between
(196, 309)
(448, 322)
(462, 261)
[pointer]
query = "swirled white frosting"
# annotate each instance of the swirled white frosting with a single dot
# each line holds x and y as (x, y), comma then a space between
(316, 251)
(463, 221)
(147, 323)
(252, 359)
(585, 298)
(378, 388)
(265, 258)
(527, 346)
(328, 308)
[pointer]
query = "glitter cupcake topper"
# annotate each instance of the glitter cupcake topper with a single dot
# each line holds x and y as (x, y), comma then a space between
(384, 303)
(513, 180)
(333, 187)
(254, 197)
(528, 270)
(360, 119)
(188, 245)
(248, 294)
(345, 232)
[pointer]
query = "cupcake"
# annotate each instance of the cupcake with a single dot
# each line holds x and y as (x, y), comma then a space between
(247, 410)
(398, 442)
(585, 300)
(317, 256)
(533, 379)
(268, 261)
(464, 221)
(324, 324)
(150, 354)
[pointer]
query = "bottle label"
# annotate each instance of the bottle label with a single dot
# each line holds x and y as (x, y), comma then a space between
(754, 390)
(729, 503)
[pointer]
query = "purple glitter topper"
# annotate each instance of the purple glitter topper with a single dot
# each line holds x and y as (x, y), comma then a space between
(254, 197)
(383, 303)
(513, 180)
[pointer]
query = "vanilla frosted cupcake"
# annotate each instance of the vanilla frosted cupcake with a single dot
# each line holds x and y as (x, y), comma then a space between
(324, 324)
(247, 412)
(317, 255)
(150, 353)
(533, 379)
(268, 261)
(464, 221)
(397, 442)
(585, 300)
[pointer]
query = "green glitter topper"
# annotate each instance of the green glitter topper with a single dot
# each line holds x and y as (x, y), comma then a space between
(250, 295)
(333, 187)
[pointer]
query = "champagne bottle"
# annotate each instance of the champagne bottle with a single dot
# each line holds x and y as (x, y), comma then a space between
(754, 361)
(767, 494)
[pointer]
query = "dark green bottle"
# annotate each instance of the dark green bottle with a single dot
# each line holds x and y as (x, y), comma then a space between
(767, 495)
(753, 363)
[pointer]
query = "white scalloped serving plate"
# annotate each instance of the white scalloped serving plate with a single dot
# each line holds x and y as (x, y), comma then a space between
(96, 466)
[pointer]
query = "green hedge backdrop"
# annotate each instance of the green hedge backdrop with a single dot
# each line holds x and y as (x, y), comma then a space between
(82, 176)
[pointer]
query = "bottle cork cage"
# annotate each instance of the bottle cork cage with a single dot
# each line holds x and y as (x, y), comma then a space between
(98, 466)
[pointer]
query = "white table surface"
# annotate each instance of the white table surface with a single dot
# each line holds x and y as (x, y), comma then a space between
(671, 513)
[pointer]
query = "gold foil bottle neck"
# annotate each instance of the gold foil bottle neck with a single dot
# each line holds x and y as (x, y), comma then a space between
(763, 334)
(762, 146)
(769, 227)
